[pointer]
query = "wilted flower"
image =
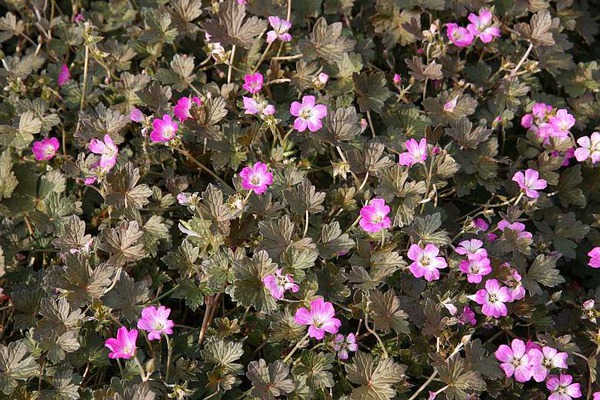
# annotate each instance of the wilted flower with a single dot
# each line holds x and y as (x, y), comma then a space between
(459, 36)
(45, 149)
(426, 262)
(256, 178)
(164, 130)
(492, 299)
(253, 83)
(343, 344)
(63, 75)
(481, 26)
(467, 317)
(280, 30)
(590, 148)
(514, 284)
(309, 114)
(373, 216)
(183, 107)
(321, 80)
(562, 387)
(545, 360)
(123, 346)
(320, 318)
(514, 360)
(156, 322)
(107, 150)
(277, 284)
(450, 105)
(594, 256)
(530, 182)
(416, 153)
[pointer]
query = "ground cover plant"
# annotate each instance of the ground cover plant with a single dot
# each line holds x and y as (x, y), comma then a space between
(285, 199)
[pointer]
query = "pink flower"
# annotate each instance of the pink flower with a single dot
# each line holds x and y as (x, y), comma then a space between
(459, 36)
(343, 344)
(476, 268)
(467, 317)
(492, 299)
(596, 396)
(416, 153)
(163, 130)
(309, 114)
(562, 123)
(514, 360)
(589, 310)
(373, 216)
(136, 115)
(481, 26)
(107, 150)
(124, 344)
(426, 262)
(450, 105)
(594, 255)
(277, 284)
(530, 182)
(589, 147)
(541, 110)
(45, 149)
(156, 322)
(397, 79)
(183, 107)
(254, 107)
(562, 387)
(63, 75)
(253, 82)
(481, 224)
(471, 248)
(256, 178)
(280, 30)
(527, 121)
(78, 18)
(320, 318)
(321, 80)
(543, 361)
(514, 284)
(515, 226)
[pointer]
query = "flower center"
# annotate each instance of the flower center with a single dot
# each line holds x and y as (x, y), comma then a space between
(425, 260)
(305, 114)
(377, 218)
(492, 298)
(255, 180)
(547, 363)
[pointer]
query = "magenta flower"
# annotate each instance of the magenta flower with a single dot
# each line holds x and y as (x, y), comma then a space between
(163, 130)
(530, 182)
(416, 153)
(562, 123)
(481, 224)
(183, 107)
(562, 387)
(476, 268)
(253, 82)
(596, 396)
(459, 36)
(594, 255)
(514, 284)
(373, 216)
(63, 75)
(541, 110)
(515, 226)
(107, 150)
(590, 148)
(280, 30)
(320, 318)
(123, 346)
(467, 317)
(136, 115)
(397, 79)
(545, 360)
(277, 284)
(343, 344)
(514, 360)
(45, 149)
(426, 262)
(309, 114)
(492, 299)
(156, 322)
(256, 178)
(481, 26)
(471, 248)
(527, 121)
(254, 107)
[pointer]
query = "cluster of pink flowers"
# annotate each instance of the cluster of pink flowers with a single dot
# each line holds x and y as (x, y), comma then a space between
(256, 178)
(256, 105)
(416, 153)
(547, 122)
(590, 148)
(530, 182)
(277, 284)
(481, 27)
(373, 216)
(308, 113)
(477, 265)
(154, 320)
(425, 261)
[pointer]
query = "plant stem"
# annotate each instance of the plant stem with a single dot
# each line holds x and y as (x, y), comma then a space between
(142, 371)
(169, 354)
(521, 61)
(229, 70)
(262, 57)
(305, 223)
(296, 347)
(191, 158)
(372, 332)
(168, 292)
(371, 123)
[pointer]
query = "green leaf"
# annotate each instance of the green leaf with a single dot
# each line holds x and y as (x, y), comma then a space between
(462, 132)
(376, 378)
(128, 296)
(183, 259)
(538, 30)
(333, 242)
(122, 243)
(386, 313)
(427, 230)
(269, 382)
(371, 91)
(316, 368)
(248, 289)
(229, 27)
(542, 271)
(122, 189)
(192, 293)
(155, 230)
(343, 125)
(222, 353)
(461, 379)
(8, 180)
(304, 197)
(15, 365)
(479, 360)
(326, 42)
(569, 191)
(421, 72)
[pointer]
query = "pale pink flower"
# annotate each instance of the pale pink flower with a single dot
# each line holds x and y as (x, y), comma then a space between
(541, 110)
(163, 130)
(254, 107)
(343, 344)
(530, 182)
(476, 267)
(156, 322)
(416, 153)
(459, 36)
(515, 226)
(470, 248)
(514, 360)
(321, 80)
(107, 150)
(183, 107)
(45, 149)
(280, 30)
(450, 105)
(320, 318)
(545, 360)
(426, 262)
(562, 123)
(308, 113)
(63, 75)
(481, 26)
(136, 115)
(467, 317)
(123, 346)
(562, 387)
(594, 255)
(373, 216)
(589, 310)
(590, 148)
(492, 299)
(277, 284)
(256, 178)
(596, 396)
(253, 83)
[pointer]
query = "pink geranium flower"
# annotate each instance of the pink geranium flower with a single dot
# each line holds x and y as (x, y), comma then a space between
(280, 30)
(514, 360)
(320, 318)
(596, 396)
(514, 284)
(136, 115)
(471, 248)
(343, 344)
(426, 262)
(530, 182)
(163, 130)
(309, 114)
(45, 149)
(373, 216)
(515, 226)
(562, 123)
(481, 224)
(481, 26)
(542, 361)
(467, 317)
(256, 178)
(416, 153)
(590, 148)
(492, 299)
(183, 107)
(253, 83)
(450, 105)
(123, 346)
(277, 284)
(156, 322)
(254, 107)
(476, 268)
(459, 36)
(562, 387)
(594, 255)
(107, 150)
(397, 79)
(63, 75)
